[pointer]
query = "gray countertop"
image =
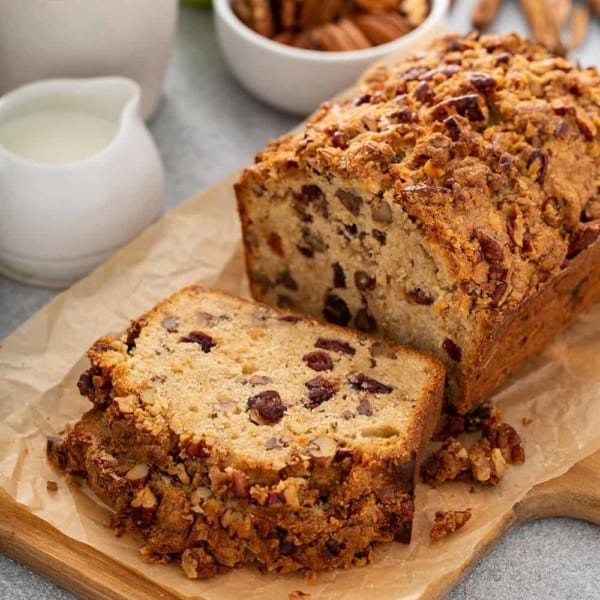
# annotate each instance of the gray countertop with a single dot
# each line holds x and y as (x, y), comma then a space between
(206, 127)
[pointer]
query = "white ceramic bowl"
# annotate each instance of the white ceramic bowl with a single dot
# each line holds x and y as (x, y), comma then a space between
(297, 80)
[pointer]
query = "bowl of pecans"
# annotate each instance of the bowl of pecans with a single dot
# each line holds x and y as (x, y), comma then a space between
(294, 54)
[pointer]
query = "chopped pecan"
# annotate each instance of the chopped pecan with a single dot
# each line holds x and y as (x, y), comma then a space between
(446, 464)
(143, 507)
(492, 250)
(170, 324)
(483, 83)
(322, 450)
(583, 237)
(240, 484)
(537, 165)
(447, 522)
(350, 200)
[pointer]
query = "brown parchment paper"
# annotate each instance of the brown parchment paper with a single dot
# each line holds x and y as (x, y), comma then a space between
(199, 242)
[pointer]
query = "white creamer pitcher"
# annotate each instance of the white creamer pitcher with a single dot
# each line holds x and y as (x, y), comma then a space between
(79, 176)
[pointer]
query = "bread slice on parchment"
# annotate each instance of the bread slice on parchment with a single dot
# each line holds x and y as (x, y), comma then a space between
(225, 432)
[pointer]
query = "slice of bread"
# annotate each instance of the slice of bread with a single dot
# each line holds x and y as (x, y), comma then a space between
(226, 432)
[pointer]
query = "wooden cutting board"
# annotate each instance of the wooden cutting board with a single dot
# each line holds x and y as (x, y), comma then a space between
(91, 574)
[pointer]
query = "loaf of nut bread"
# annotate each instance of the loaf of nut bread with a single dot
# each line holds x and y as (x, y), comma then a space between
(451, 205)
(226, 432)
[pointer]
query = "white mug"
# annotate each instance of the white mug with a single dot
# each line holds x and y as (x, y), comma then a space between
(42, 39)
(65, 209)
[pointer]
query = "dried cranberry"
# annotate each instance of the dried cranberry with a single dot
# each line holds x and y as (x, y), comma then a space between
(339, 277)
(320, 390)
(336, 310)
(335, 346)
(452, 350)
(198, 337)
(363, 382)
(266, 407)
(318, 361)
(274, 242)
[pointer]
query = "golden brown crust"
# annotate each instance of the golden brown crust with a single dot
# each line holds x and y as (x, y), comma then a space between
(487, 149)
(220, 475)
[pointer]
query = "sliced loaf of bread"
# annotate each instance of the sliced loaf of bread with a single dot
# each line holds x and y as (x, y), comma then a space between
(226, 432)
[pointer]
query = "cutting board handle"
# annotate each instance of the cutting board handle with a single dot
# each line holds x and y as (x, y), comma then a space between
(574, 494)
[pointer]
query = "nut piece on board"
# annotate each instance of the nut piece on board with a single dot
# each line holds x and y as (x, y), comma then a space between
(448, 522)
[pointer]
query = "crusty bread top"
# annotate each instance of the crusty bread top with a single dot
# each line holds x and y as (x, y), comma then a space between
(264, 386)
(489, 144)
